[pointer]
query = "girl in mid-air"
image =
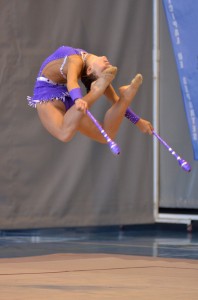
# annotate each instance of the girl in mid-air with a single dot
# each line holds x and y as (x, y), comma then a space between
(62, 107)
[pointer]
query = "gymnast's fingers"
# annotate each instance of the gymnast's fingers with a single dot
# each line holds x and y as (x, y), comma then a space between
(150, 129)
(81, 105)
(147, 127)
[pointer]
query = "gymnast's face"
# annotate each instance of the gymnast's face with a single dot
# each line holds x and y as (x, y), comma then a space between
(97, 64)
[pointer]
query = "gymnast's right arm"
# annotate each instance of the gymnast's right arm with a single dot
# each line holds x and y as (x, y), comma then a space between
(74, 69)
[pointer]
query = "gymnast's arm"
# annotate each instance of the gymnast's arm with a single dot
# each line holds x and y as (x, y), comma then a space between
(143, 125)
(74, 70)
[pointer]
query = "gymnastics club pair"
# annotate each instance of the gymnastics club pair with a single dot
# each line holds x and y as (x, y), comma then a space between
(116, 150)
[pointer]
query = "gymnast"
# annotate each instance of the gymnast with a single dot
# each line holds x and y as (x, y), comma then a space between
(62, 107)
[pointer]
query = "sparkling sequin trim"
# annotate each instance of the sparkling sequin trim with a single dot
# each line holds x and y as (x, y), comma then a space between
(62, 67)
(42, 78)
(34, 102)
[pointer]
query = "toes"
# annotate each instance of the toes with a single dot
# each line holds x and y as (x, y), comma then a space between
(110, 70)
(137, 81)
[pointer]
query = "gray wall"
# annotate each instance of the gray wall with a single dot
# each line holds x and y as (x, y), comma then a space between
(43, 182)
(177, 188)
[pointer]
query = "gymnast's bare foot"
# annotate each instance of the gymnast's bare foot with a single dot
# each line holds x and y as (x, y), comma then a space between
(105, 78)
(128, 92)
(109, 74)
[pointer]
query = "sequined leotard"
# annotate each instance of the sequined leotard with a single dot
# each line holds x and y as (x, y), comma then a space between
(46, 90)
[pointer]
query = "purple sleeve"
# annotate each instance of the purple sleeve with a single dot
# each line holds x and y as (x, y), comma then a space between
(75, 94)
(131, 116)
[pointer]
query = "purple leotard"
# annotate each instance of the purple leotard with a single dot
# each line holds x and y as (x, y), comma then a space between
(46, 90)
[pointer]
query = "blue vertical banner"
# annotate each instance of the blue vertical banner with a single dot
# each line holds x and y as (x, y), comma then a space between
(182, 18)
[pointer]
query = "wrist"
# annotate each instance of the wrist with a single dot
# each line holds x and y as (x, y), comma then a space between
(75, 94)
(132, 116)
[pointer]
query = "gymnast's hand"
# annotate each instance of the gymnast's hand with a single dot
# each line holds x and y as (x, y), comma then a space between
(81, 105)
(145, 126)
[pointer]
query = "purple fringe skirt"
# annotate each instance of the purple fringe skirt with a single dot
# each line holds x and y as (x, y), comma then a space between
(46, 90)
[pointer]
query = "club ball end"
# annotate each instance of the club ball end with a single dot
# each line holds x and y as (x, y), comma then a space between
(185, 165)
(114, 148)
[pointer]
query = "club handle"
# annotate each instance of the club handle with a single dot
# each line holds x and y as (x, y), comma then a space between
(112, 145)
(183, 163)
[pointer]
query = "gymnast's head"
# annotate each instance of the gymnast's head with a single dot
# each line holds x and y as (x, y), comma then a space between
(94, 66)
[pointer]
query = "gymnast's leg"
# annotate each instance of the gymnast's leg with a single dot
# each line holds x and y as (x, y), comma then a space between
(115, 114)
(64, 124)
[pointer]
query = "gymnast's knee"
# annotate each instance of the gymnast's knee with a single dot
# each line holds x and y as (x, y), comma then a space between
(65, 137)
